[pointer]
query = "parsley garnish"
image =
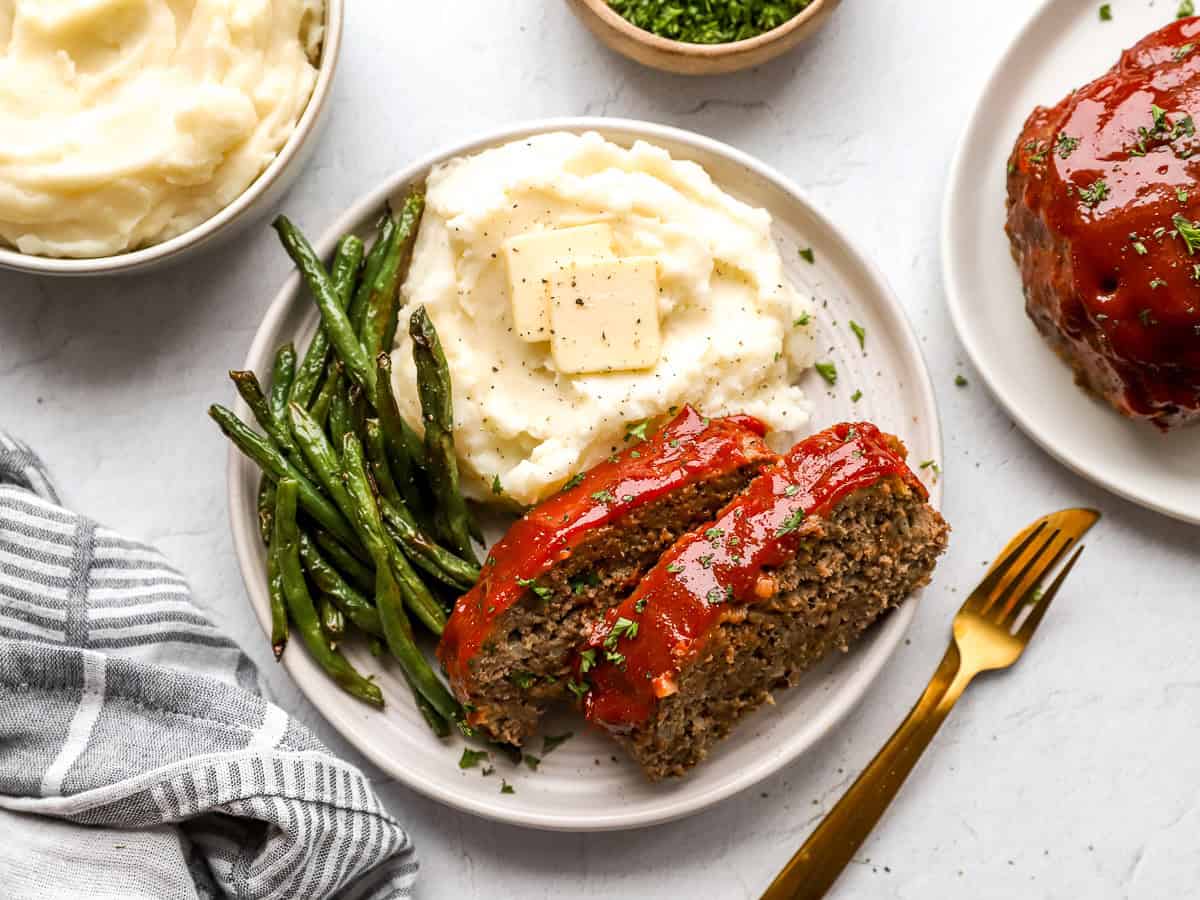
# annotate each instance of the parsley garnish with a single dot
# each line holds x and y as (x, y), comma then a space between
(718, 595)
(497, 487)
(674, 568)
(471, 758)
(578, 688)
(1189, 231)
(791, 523)
(1066, 145)
(827, 370)
(587, 661)
(573, 481)
(640, 605)
(1094, 194)
(860, 333)
(553, 741)
(791, 490)
(623, 627)
(540, 590)
(1147, 317)
(932, 466)
(506, 788)
(603, 497)
(714, 534)
(1105, 12)
(856, 396)
(960, 381)
(808, 256)
(532, 761)
(1186, 8)
(523, 680)
(711, 22)
(802, 320)
(1182, 51)
(636, 431)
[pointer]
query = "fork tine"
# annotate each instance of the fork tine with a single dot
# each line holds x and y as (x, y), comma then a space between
(1033, 572)
(992, 597)
(1025, 632)
(1000, 569)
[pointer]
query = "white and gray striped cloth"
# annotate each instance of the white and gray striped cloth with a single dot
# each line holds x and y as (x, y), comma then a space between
(137, 758)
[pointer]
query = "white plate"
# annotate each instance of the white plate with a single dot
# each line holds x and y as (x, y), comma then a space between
(587, 784)
(1064, 46)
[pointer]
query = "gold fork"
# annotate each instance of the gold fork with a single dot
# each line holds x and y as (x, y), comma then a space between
(990, 630)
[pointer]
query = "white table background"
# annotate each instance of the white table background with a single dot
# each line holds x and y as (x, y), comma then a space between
(1076, 774)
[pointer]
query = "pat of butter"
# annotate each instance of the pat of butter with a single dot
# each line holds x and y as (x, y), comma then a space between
(604, 315)
(533, 258)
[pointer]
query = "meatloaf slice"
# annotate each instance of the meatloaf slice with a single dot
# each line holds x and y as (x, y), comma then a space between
(799, 564)
(509, 643)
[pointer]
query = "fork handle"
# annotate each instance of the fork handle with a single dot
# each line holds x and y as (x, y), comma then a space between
(816, 865)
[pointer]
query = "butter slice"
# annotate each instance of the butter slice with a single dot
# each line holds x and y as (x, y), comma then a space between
(533, 258)
(604, 315)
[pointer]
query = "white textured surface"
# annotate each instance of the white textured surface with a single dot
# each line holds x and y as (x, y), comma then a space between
(1073, 775)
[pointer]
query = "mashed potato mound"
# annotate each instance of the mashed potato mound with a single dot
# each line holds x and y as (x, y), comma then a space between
(736, 334)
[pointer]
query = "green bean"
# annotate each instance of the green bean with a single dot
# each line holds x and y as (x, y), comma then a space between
(276, 429)
(271, 460)
(279, 620)
(434, 719)
(433, 558)
(386, 554)
(266, 506)
(357, 410)
(320, 406)
(341, 333)
(405, 451)
(437, 412)
(283, 374)
(326, 578)
(357, 309)
(324, 461)
(346, 262)
(339, 413)
(333, 623)
(382, 304)
(381, 471)
(300, 603)
(355, 572)
(397, 632)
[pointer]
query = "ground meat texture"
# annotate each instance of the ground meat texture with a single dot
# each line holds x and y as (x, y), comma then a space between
(814, 551)
(1103, 203)
(509, 644)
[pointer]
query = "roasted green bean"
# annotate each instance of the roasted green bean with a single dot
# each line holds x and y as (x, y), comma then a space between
(266, 506)
(270, 459)
(437, 413)
(333, 623)
(379, 320)
(279, 616)
(346, 262)
(283, 374)
(300, 604)
(426, 553)
(348, 566)
(327, 579)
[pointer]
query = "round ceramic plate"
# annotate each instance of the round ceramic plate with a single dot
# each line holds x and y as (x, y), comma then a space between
(586, 784)
(1064, 46)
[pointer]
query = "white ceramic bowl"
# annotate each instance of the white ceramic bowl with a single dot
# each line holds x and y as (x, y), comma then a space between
(248, 208)
(587, 784)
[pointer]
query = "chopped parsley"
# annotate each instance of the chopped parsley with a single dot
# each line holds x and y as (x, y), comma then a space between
(1105, 12)
(960, 381)
(497, 487)
(543, 592)
(714, 534)
(579, 585)
(860, 333)
(552, 741)
(636, 431)
(1186, 8)
(856, 396)
(931, 466)
(532, 761)
(506, 788)
(573, 481)
(791, 490)
(622, 628)
(587, 660)
(1147, 317)
(612, 656)
(808, 256)
(719, 595)
(523, 680)
(1189, 231)
(640, 605)
(1094, 194)
(710, 22)
(1037, 151)
(1156, 283)
(827, 370)
(791, 523)
(578, 688)
(471, 758)
(802, 320)
(1181, 195)
(1139, 248)
(603, 497)
(1182, 51)
(1065, 145)
(674, 568)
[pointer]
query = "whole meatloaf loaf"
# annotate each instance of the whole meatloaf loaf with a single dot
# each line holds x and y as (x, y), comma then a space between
(1103, 210)
(508, 645)
(809, 555)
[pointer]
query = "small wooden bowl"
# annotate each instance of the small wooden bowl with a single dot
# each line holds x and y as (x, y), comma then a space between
(698, 59)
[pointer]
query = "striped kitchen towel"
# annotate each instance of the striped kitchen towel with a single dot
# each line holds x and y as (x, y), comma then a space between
(137, 758)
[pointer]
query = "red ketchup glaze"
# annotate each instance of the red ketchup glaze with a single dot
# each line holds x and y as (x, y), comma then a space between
(689, 448)
(711, 574)
(1109, 170)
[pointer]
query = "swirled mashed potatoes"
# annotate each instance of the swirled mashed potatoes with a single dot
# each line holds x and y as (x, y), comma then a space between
(734, 332)
(127, 122)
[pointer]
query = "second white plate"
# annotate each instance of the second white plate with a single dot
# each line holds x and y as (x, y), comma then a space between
(1063, 46)
(587, 784)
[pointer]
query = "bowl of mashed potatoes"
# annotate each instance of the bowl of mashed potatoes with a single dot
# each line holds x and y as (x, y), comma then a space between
(133, 132)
